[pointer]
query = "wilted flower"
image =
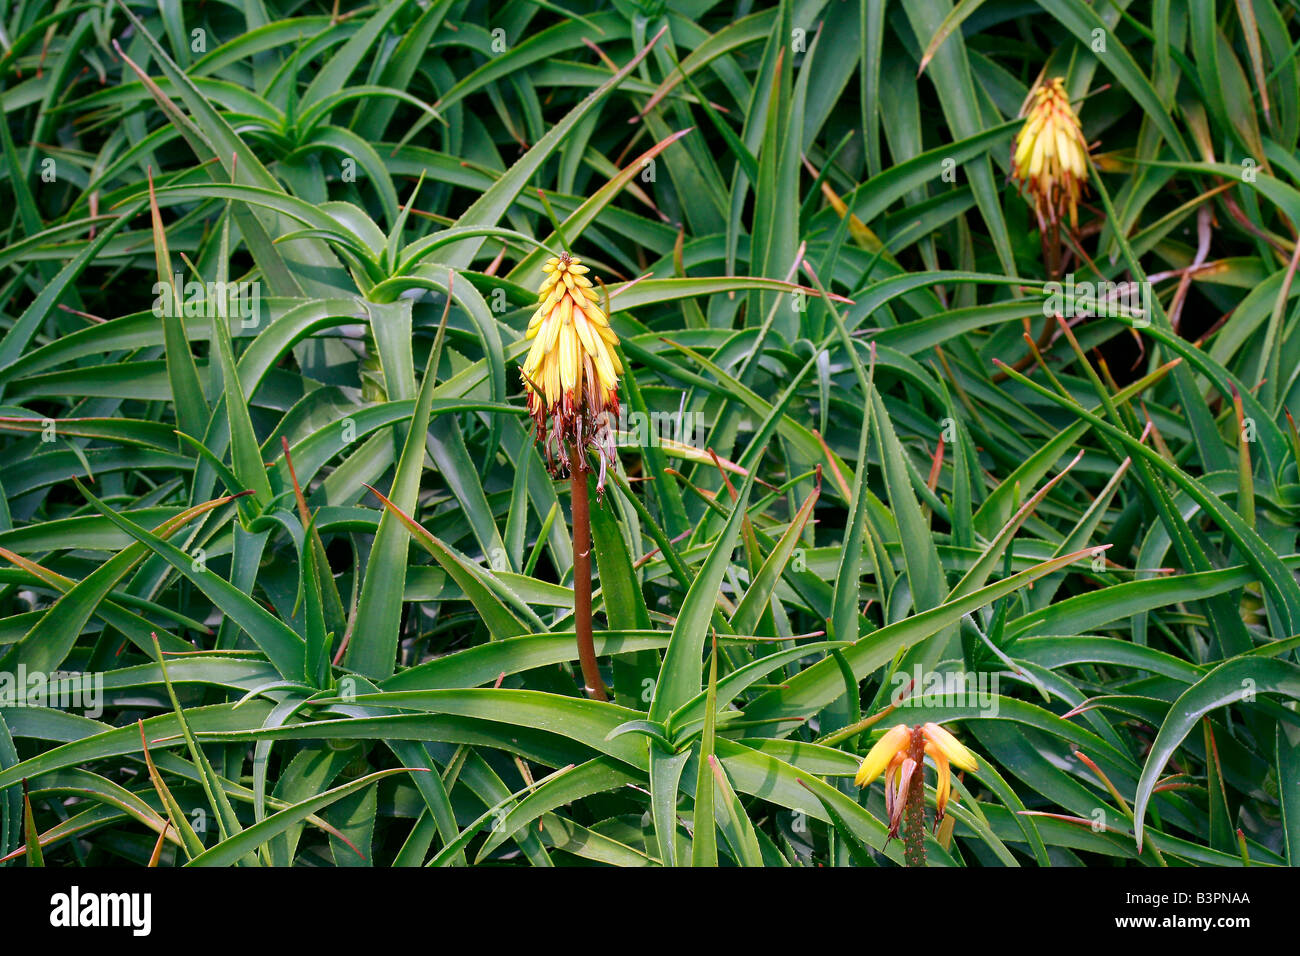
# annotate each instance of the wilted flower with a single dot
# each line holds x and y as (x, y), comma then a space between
(1049, 156)
(894, 755)
(571, 372)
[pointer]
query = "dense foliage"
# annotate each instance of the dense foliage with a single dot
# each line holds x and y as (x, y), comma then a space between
(288, 581)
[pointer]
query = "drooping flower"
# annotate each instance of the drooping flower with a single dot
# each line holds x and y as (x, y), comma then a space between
(571, 372)
(1049, 156)
(879, 757)
(892, 754)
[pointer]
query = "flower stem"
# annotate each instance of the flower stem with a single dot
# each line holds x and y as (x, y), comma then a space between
(582, 575)
(914, 812)
(1053, 244)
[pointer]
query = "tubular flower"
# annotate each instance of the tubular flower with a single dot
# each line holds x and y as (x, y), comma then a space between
(571, 372)
(882, 754)
(1049, 156)
(892, 755)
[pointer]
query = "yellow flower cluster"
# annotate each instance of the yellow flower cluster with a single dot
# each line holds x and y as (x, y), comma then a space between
(1049, 157)
(571, 372)
(891, 756)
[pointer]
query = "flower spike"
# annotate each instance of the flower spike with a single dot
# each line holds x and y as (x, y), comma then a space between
(1049, 158)
(571, 372)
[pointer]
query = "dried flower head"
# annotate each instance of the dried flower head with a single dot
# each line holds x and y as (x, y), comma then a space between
(1049, 156)
(571, 372)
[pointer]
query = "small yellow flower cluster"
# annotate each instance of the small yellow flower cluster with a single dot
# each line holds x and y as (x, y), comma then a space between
(571, 372)
(1049, 156)
(891, 755)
